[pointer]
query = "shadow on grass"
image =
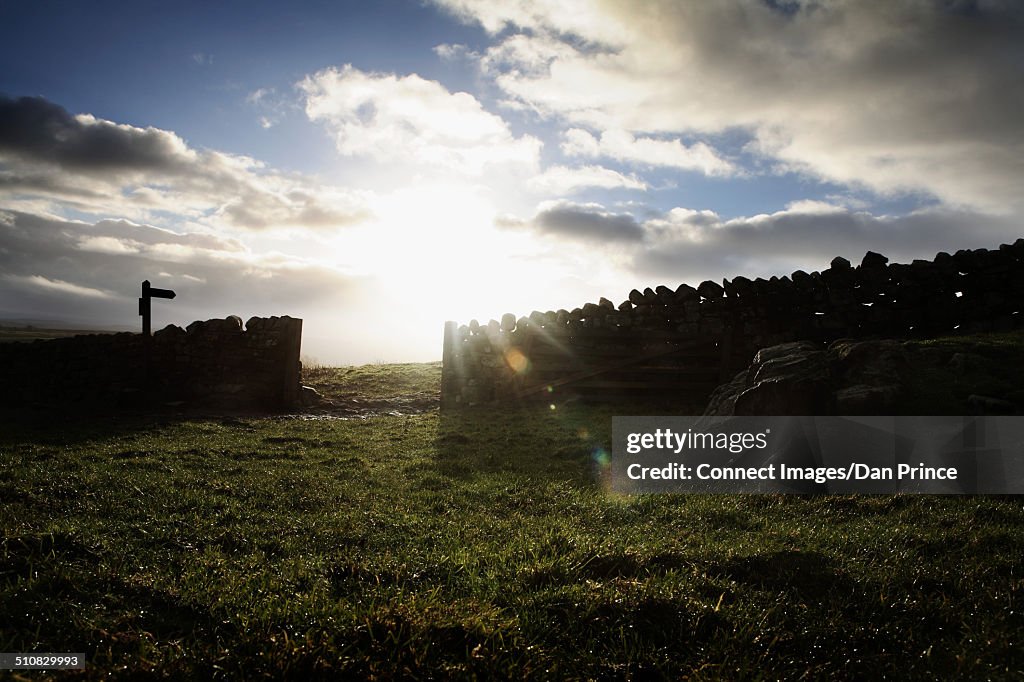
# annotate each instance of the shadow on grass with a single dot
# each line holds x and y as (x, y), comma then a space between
(61, 598)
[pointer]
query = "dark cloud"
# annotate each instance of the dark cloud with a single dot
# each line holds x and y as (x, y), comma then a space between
(36, 129)
(105, 168)
(587, 222)
(689, 247)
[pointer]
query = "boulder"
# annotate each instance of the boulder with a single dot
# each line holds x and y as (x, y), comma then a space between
(801, 378)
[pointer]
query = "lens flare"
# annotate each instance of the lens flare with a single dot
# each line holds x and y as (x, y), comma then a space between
(517, 361)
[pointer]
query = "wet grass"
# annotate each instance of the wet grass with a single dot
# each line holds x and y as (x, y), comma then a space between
(478, 544)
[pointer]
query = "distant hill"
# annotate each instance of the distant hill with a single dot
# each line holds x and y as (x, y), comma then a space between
(32, 330)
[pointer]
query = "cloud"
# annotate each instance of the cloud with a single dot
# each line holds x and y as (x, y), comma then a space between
(622, 146)
(83, 271)
(57, 285)
(580, 222)
(31, 128)
(696, 245)
(272, 106)
(454, 51)
(565, 180)
(408, 118)
(100, 167)
(690, 245)
(901, 96)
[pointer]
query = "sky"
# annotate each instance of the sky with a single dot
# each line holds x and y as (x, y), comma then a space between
(377, 168)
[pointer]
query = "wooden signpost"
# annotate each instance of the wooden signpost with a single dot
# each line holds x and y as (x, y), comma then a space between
(149, 293)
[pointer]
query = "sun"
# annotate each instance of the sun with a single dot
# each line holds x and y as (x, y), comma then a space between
(436, 245)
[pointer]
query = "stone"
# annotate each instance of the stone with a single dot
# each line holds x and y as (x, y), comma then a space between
(171, 331)
(508, 322)
(684, 293)
(873, 260)
(309, 396)
(710, 290)
(839, 263)
(605, 303)
(635, 297)
(861, 399)
(982, 404)
(740, 286)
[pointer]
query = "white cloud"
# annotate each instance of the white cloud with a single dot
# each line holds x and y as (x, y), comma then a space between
(451, 52)
(57, 285)
(409, 118)
(901, 96)
(623, 146)
(565, 180)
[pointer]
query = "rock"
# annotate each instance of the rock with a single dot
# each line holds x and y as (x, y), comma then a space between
(840, 263)
(309, 396)
(636, 298)
(739, 286)
(873, 260)
(197, 327)
(867, 400)
(983, 404)
(799, 378)
(686, 293)
(171, 331)
(508, 322)
(665, 295)
(710, 290)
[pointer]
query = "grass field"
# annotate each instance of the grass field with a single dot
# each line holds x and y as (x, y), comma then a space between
(478, 544)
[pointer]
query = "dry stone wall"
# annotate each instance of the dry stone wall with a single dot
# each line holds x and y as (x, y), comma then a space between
(969, 291)
(210, 363)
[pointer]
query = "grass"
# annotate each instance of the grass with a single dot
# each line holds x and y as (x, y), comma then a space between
(409, 380)
(948, 370)
(477, 544)
(30, 333)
